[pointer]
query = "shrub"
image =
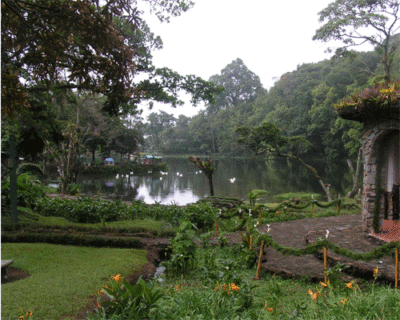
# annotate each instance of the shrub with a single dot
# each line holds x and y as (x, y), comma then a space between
(29, 188)
(201, 214)
(83, 210)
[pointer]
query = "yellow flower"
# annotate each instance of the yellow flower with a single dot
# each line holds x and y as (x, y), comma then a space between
(310, 292)
(349, 285)
(315, 296)
(376, 272)
(343, 301)
(324, 285)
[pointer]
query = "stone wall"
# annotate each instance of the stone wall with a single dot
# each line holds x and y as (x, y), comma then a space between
(373, 138)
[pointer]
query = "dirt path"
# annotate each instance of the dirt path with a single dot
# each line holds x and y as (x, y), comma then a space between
(345, 231)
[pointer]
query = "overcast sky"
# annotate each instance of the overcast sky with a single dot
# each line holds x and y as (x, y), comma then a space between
(271, 37)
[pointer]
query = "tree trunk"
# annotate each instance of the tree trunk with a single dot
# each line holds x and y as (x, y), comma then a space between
(325, 187)
(356, 175)
(211, 185)
(13, 179)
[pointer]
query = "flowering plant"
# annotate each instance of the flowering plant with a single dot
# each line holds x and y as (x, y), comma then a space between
(131, 301)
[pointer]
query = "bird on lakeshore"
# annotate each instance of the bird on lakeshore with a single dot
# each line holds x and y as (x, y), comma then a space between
(232, 180)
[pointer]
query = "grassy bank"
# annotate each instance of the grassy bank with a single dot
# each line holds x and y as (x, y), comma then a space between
(61, 277)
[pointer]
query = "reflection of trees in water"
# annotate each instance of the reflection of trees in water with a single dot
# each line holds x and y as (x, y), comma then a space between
(276, 176)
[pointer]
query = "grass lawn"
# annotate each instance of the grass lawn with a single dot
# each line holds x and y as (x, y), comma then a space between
(61, 277)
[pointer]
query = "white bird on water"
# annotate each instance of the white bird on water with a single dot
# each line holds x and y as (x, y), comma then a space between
(232, 180)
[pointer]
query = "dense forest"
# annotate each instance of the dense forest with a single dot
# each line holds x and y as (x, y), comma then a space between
(300, 103)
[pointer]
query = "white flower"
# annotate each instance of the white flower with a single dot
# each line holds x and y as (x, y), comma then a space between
(327, 234)
(268, 228)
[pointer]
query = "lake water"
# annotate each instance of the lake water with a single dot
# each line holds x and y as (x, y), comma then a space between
(185, 184)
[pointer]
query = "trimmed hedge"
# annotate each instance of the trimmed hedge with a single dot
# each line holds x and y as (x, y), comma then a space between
(75, 240)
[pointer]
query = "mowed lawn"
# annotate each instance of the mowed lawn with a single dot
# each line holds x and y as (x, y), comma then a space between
(61, 277)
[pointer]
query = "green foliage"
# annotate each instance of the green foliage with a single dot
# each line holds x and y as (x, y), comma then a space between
(371, 98)
(303, 196)
(201, 214)
(183, 256)
(32, 168)
(72, 239)
(239, 83)
(356, 22)
(83, 210)
(254, 194)
(29, 189)
(74, 188)
(128, 301)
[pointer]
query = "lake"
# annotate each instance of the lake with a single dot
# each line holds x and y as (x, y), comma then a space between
(185, 183)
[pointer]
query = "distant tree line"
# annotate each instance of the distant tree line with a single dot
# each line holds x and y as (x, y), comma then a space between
(300, 104)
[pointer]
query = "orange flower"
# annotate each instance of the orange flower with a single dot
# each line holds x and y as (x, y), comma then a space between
(270, 309)
(116, 278)
(310, 292)
(349, 285)
(234, 287)
(98, 305)
(21, 318)
(343, 301)
(178, 287)
(324, 285)
(376, 272)
(315, 296)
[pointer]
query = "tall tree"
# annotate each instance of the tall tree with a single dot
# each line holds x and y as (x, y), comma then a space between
(355, 22)
(90, 45)
(157, 123)
(240, 84)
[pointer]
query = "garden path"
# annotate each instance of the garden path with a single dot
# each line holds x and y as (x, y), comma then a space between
(345, 231)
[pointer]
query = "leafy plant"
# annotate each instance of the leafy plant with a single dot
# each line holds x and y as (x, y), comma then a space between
(183, 250)
(254, 194)
(29, 189)
(74, 188)
(127, 301)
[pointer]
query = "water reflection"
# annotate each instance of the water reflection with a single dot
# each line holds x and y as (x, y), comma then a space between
(184, 183)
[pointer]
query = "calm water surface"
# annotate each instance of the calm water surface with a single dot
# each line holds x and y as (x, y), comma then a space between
(185, 184)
